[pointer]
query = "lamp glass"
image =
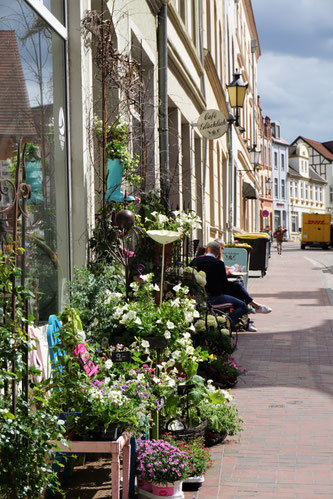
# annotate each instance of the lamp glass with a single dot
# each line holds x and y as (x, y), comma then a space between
(255, 156)
(236, 94)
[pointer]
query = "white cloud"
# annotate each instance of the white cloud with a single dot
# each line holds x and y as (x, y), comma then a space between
(295, 71)
(296, 92)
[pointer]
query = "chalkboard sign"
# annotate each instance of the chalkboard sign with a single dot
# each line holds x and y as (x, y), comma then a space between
(121, 356)
(157, 342)
(184, 389)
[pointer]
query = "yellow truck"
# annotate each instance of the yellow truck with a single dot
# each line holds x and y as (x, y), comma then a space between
(316, 230)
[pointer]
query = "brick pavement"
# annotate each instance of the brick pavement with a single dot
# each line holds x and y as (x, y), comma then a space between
(285, 400)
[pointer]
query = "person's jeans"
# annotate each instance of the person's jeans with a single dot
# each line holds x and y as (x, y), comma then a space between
(238, 291)
(239, 306)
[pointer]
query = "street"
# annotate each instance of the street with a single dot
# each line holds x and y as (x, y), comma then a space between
(285, 399)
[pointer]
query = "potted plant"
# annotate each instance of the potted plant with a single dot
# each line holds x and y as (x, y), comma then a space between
(119, 160)
(200, 460)
(223, 370)
(214, 337)
(162, 465)
(223, 420)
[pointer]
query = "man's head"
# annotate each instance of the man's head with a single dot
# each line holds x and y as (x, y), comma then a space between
(214, 248)
(220, 242)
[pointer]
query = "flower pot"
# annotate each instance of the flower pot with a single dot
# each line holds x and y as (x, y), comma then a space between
(193, 483)
(113, 183)
(167, 490)
(145, 485)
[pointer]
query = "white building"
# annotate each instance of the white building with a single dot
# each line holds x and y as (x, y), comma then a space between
(307, 188)
(321, 160)
(280, 178)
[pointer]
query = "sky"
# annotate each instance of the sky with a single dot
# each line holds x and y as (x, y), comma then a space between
(295, 70)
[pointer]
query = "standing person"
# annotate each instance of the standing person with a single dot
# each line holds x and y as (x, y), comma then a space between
(279, 236)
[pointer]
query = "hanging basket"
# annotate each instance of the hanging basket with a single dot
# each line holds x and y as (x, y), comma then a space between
(187, 434)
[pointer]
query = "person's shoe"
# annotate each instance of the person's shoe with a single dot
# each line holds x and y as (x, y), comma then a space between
(251, 310)
(263, 309)
(251, 328)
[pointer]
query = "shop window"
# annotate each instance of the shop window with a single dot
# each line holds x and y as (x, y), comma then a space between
(276, 188)
(33, 112)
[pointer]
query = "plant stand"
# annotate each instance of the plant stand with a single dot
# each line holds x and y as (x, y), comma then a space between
(114, 448)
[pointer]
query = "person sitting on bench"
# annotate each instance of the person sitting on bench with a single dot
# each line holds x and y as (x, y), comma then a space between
(219, 289)
(239, 291)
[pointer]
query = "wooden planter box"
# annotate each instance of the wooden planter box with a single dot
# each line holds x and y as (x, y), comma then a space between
(114, 448)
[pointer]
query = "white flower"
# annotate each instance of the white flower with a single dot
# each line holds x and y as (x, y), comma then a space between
(196, 314)
(131, 314)
(134, 285)
(156, 380)
(227, 395)
(189, 350)
(145, 277)
(188, 316)
(156, 287)
(192, 328)
(108, 296)
(175, 302)
(132, 373)
(167, 335)
(61, 422)
(138, 321)
(145, 344)
(117, 313)
(140, 376)
(94, 322)
(116, 397)
(108, 364)
(177, 288)
(187, 336)
(162, 219)
(82, 335)
(170, 325)
(124, 319)
(159, 321)
(176, 354)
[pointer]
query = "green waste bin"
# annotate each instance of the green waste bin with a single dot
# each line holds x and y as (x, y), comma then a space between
(259, 242)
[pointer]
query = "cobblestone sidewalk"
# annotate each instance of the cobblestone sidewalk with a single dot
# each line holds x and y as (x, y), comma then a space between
(285, 400)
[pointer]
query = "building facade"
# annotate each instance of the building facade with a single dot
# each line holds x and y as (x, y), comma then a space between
(186, 54)
(280, 178)
(307, 188)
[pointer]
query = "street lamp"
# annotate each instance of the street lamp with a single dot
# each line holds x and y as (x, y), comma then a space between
(268, 186)
(255, 156)
(236, 92)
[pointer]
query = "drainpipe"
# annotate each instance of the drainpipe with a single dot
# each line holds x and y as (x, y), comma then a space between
(231, 182)
(205, 141)
(162, 47)
(253, 49)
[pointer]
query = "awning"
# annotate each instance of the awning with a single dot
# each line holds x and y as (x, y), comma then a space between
(249, 191)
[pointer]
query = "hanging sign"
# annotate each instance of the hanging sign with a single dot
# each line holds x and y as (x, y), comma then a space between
(265, 213)
(212, 124)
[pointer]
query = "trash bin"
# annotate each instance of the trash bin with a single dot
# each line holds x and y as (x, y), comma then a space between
(259, 242)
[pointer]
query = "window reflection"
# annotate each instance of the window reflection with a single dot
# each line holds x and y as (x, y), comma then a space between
(32, 111)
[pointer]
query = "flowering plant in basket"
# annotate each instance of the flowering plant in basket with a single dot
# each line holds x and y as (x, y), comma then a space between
(159, 461)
